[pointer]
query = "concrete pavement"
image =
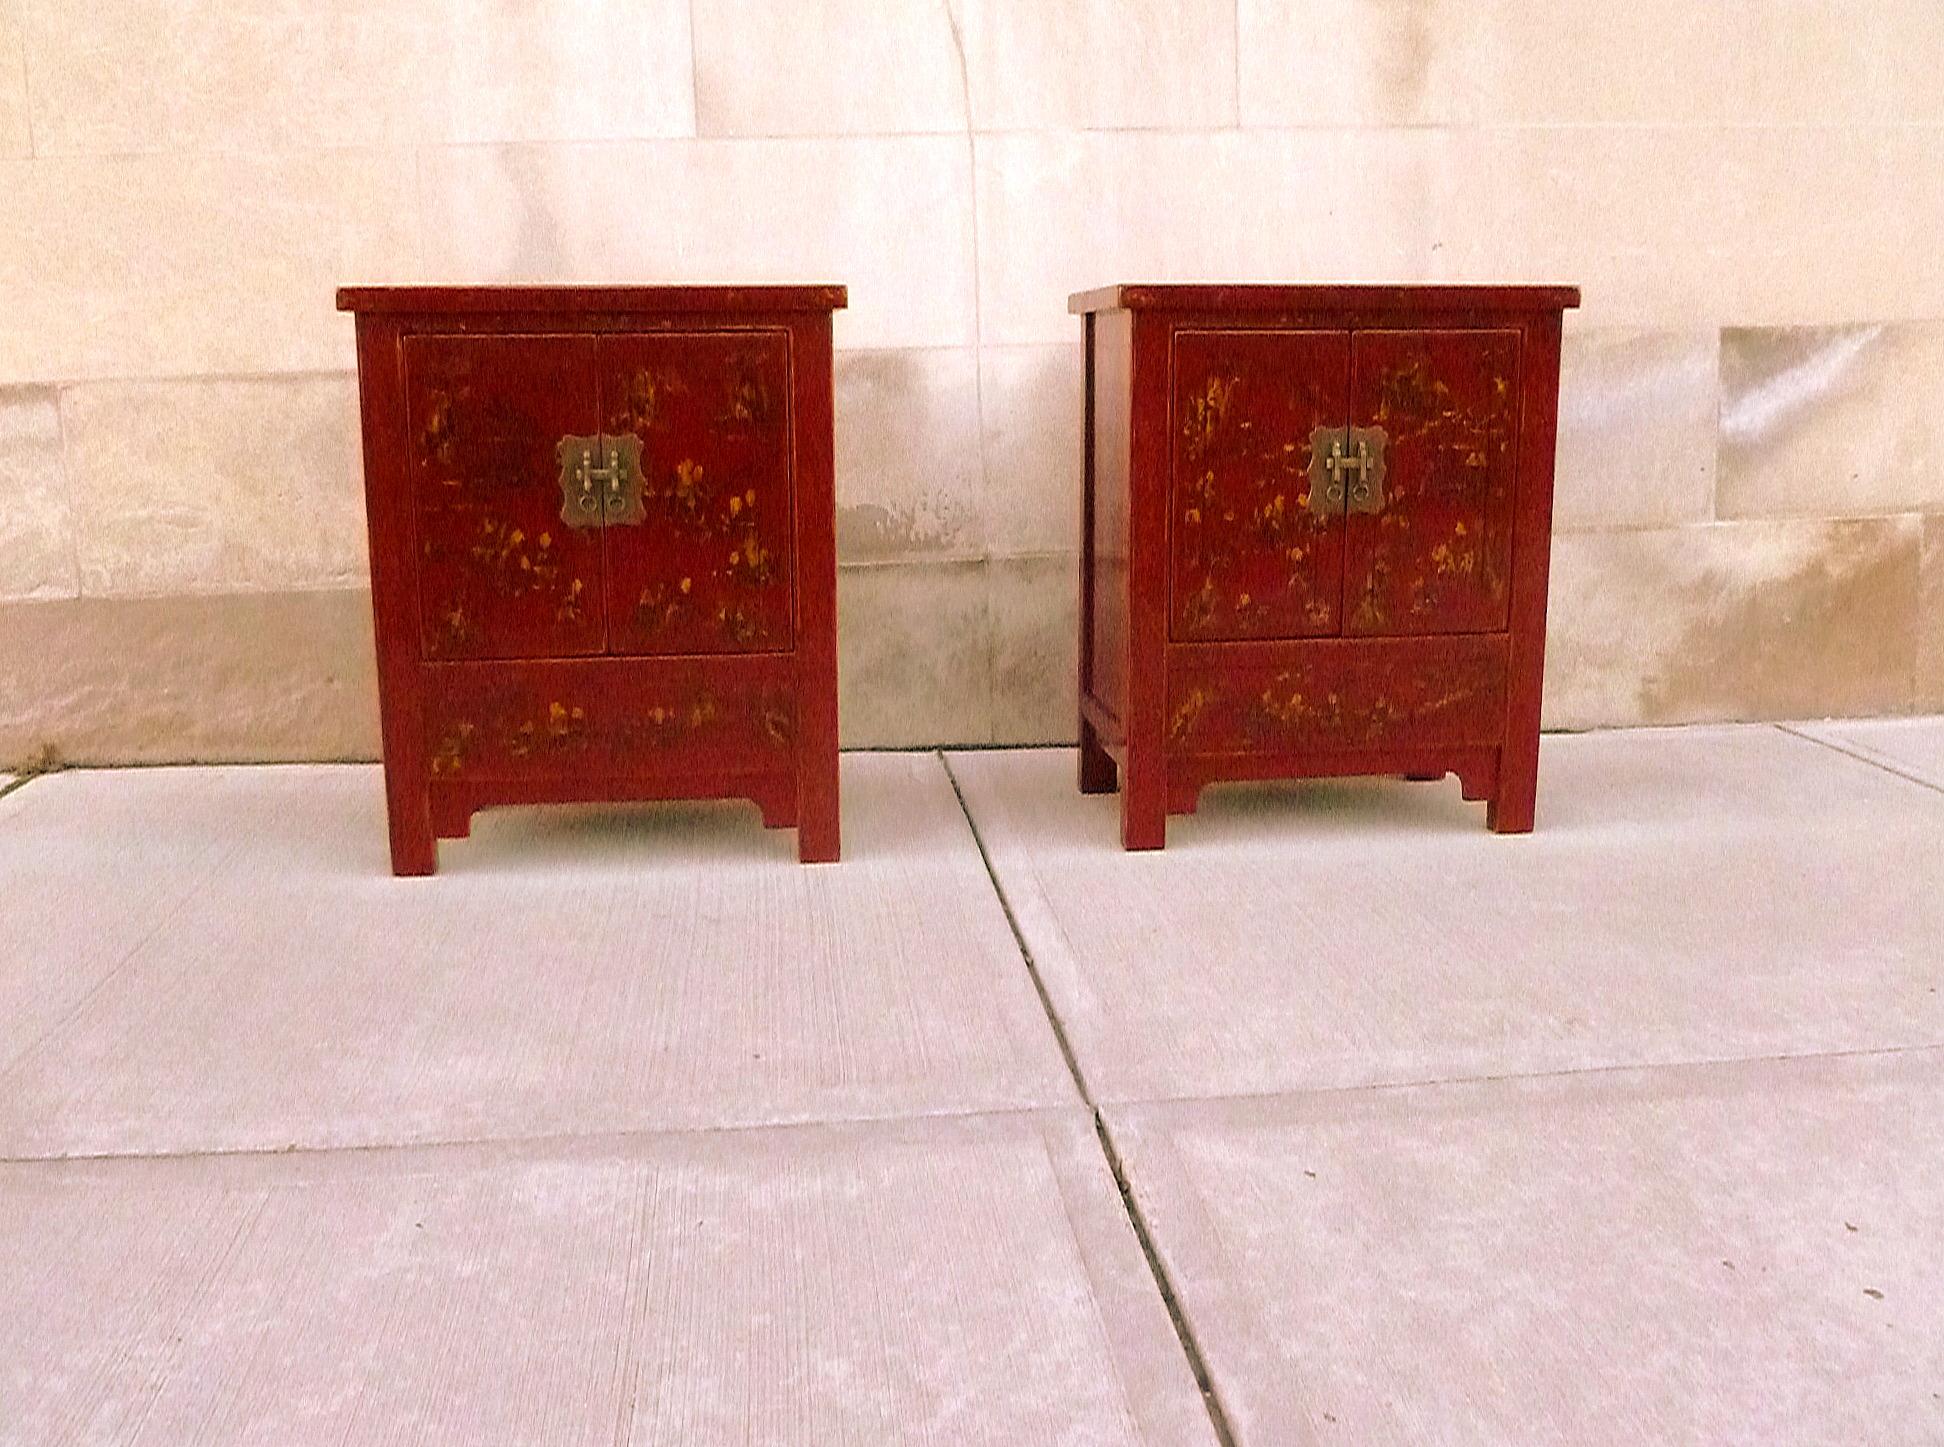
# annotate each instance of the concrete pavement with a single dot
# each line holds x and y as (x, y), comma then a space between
(628, 1128)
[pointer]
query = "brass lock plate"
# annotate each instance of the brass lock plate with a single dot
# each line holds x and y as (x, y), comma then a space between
(1367, 487)
(1326, 472)
(622, 498)
(600, 480)
(1346, 471)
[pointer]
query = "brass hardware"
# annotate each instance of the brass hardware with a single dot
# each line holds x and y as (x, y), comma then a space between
(1367, 494)
(624, 507)
(1325, 467)
(580, 504)
(1346, 462)
(600, 481)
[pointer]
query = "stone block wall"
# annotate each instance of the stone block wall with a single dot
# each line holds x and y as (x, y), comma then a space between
(1750, 192)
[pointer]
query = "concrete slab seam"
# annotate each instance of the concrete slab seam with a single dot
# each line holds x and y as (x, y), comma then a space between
(128, 956)
(1516, 1077)
(1864, 755)
(1197, 1362)
(543, 1140)
(14, 786)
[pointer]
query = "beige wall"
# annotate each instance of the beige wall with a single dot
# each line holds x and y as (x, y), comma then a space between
(1751, 193)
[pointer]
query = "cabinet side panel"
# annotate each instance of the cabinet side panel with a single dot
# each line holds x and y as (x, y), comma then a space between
(394, 592)
(1144, 787)
(813, 438)
(1087, 495)
(1107, 540)
(1513, 807)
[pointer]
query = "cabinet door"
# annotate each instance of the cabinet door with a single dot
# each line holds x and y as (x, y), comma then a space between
(1251, 559)
(707, 569)
(1436, 554)
(500, 575)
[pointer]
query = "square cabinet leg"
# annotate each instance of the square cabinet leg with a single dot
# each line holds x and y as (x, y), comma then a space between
(1097, 774)
(1512, 805)
(818, 826)
(414, 850)
(1144, 804)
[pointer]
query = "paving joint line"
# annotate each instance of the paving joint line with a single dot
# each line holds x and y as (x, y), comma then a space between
(1856, 751)
(1177, 1318)
(16, 785)
(1516, 1077)
(541, 1141)
(1019, 940)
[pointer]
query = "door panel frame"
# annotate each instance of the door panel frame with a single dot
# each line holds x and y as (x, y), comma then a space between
(416, 374)
(642, 536)
(1178, 482)
(1497, 526)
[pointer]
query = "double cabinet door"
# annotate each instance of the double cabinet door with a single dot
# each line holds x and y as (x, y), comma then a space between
(1342, 483)
(602, 493)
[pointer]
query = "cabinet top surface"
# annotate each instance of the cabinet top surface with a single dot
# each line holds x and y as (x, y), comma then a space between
(461, 300)
(1278, 297)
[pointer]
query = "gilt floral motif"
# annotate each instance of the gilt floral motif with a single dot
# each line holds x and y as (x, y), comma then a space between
(1363, 705)
(509, 730)
(1250, 560)
(1439, 555)
(498, 573)
(709, 571)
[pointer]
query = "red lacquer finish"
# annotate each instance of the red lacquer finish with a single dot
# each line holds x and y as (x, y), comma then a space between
(1251, 559)
(499, 574)
(1250, 611)
(1438, 557)
(712, 412)
(542, 641)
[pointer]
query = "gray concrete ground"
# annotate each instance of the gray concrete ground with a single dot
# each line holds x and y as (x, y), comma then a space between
(627, 1128)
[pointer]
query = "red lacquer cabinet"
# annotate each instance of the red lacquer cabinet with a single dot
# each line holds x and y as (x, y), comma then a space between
(1316, 527)
(603, 556)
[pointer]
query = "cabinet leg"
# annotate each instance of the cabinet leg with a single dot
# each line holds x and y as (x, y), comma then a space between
(1512, 805)
(414, 850)
(1144, 803)
(818, 824)
(1097, 774)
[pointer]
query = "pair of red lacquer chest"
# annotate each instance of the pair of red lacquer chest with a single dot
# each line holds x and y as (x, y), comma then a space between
(1315, 536)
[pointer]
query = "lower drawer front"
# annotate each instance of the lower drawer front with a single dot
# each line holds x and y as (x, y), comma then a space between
(610, 716)
(1337, 694)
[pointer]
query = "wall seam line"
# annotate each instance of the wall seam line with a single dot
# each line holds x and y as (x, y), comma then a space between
(978, 353)
(67, 486)
(1236, 37)
(695, 77)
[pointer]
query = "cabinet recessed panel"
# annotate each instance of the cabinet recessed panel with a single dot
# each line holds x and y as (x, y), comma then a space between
(1255, 553)
(706, 568)
(1340, 694)
(500, 574)
(1436, 556)
(609, 718)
